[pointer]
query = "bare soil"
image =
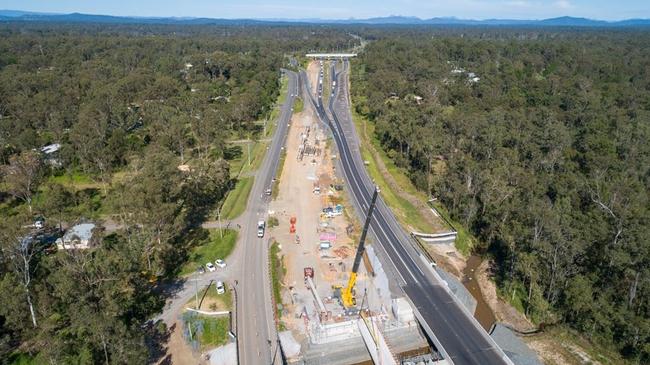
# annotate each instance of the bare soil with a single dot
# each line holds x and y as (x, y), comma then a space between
(503, 311)
(448, 257)
(312, 73)
(178, 351)
(211, 304)
(557, 349)
(297, 199)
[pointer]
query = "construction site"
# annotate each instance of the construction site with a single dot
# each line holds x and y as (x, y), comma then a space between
(337, 305)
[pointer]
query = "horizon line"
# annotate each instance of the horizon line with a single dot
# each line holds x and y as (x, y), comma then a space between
(415, 17)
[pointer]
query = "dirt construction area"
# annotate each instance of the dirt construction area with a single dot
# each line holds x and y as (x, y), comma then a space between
(312, 198)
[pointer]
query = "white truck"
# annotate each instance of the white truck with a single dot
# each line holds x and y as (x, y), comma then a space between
(260, 228)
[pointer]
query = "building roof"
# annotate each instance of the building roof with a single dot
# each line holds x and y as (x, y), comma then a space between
(83, 232)
(51, 148)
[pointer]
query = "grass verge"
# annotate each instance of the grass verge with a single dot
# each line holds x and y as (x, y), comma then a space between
(209, 331)
(464, 240)
(327, 83)
(240, 165)
(215, 248)
(278, 175)
(278, 270)
(210, 300)
(284, 88)
(235, 202)
(406, 212)
(298, 105)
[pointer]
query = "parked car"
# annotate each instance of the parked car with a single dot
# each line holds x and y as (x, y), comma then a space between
(200, 270)
(210, 267)
(260, 228)
(221, 289)
(220, 263)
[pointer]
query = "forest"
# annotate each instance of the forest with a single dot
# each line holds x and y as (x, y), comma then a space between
(536, 141)
(127, 124)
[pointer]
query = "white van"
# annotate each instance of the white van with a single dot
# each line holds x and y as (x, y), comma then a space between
(260, 228)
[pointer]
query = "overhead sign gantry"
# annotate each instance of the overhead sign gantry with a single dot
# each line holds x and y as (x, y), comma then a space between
(331, 55)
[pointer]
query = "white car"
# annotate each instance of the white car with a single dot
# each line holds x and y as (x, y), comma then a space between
(221, 289)
(220, 263)
(210, 267)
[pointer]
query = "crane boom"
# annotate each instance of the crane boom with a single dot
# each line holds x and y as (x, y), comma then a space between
(348, 293)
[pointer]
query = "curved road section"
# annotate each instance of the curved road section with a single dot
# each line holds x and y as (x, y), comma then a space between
(454, 330)
(257, 340)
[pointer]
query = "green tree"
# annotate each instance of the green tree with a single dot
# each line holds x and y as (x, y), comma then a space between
(23, 175)
(56, 202)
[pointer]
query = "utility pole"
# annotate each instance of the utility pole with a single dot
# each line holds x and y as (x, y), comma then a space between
(249, 152)
(196, 293)
(219, 220)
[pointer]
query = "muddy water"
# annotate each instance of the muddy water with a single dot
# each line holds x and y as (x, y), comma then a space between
(483, 313)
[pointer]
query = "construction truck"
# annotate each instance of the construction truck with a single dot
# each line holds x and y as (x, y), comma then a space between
(347, 295)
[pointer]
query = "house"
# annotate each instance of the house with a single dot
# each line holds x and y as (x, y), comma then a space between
(50, 154)
(51, 148)
(77, 237)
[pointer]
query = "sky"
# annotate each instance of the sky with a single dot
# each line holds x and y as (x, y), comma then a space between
(343, 9)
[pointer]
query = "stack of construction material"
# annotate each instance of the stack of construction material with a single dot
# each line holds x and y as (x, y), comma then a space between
(343, 252)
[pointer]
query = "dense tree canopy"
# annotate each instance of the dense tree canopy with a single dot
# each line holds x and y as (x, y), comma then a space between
(141, 116)
(538, 142)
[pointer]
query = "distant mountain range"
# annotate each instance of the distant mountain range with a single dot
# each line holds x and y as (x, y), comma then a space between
(565, 21)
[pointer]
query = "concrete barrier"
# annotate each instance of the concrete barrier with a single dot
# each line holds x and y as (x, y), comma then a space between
(207, 313)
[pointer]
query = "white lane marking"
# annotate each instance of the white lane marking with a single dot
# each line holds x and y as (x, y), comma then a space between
(354, 178)
(353, 166)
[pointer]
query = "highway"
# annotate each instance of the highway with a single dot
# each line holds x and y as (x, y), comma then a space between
(257, 339)
(462, 340)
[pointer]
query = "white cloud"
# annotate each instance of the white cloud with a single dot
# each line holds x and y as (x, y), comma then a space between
(563, 4)
(519, 3)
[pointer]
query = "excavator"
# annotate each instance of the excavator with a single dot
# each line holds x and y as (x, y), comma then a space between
(347, 296)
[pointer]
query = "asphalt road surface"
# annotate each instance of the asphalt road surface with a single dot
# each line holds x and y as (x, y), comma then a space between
(248, 264)
(257, 339)
(460, 336)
